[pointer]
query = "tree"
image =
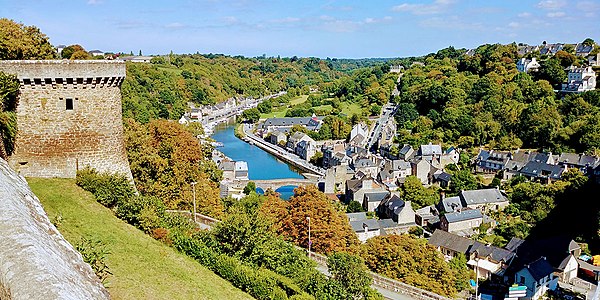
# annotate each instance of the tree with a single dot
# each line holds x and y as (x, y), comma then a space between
(351, 272)
(18, 41)
(411, 261)
(552, 71)
(165, 159)
(68, 51)
(463, 180)
(330, 229)
(81, 54)
(317, 159)
(588, 42)
(566, 59)
(354, 206)
(250, 188)
(9, 89)
(414, 191)
(252, 115)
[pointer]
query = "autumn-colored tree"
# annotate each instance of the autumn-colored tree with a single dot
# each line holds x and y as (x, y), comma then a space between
(18, 41)
(81, 54)
(330, 229)
(165, 159)
(411, 261)
(68, 51)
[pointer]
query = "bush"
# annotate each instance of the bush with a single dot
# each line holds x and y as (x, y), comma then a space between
(109, 189)
(94, 253)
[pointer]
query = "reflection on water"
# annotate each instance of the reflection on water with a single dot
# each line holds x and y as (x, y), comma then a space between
(261, 165)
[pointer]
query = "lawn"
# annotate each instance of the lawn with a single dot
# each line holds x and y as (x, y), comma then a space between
(280, 111)
(142, 267)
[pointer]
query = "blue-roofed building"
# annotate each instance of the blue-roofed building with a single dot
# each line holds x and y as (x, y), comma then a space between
(461, 222)
(543, 172)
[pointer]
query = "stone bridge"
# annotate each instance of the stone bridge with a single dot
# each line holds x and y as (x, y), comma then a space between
(277, 183)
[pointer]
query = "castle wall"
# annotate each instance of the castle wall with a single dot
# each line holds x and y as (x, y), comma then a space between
(68, 117)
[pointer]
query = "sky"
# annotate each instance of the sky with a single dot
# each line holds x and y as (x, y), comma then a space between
(342, 29)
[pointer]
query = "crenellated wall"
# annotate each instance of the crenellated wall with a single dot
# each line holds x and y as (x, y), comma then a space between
(68, 117)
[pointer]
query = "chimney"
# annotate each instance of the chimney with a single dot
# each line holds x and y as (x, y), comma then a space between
(442, 195)
(366, 227)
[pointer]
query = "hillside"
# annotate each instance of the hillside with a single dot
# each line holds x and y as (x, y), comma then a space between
(142, 267)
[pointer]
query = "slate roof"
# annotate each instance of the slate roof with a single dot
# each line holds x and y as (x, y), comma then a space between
(364, 162)
(227, 166)
(492, 252)
(376, 196)
(468, 214)
(405, 149)
(447, 240)
(543, 170)
(483, 196)
(450, 204)
(539, 269)
(359, 226)
(356, 216)
(399, 164)
(554, 249)
(442, 177)
(430, 149)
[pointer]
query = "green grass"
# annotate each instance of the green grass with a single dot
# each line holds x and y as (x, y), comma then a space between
(350, 108)
(142, 267)
(298, 100)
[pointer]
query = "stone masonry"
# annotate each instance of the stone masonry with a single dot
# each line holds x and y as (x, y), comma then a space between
(36, 262)
(68, 117)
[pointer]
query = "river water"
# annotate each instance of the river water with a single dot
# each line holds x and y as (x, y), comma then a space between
(261, 165)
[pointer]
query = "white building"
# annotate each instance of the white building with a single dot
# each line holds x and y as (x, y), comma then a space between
(580, 80)
(527, 65)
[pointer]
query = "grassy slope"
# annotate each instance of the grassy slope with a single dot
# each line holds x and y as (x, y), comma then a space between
(280, 112)
(142, 267)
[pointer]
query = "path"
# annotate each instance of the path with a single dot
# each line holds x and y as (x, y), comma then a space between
(280, 152)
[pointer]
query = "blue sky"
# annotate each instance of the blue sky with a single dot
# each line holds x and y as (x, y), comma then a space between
(352, 29)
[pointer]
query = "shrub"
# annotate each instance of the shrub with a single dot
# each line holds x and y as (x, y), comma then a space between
(109, 189)
(94, 253)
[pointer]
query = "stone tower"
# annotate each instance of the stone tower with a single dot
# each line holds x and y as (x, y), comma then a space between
(68, 117)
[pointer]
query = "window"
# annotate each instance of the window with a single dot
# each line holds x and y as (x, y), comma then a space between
(69, 103)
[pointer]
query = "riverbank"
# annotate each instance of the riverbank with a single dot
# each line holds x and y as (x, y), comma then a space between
(281, 154)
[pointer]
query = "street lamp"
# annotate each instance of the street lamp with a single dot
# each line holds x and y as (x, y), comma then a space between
(309, 241)
(194, 193)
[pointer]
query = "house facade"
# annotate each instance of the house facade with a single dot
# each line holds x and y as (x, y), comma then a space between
(580, 79)
(538, 277)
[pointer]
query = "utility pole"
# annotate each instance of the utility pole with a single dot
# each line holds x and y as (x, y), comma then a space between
(309, 241)
(194, 193)
(477, 279)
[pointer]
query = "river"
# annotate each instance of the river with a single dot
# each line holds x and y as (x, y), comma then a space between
(261, 165)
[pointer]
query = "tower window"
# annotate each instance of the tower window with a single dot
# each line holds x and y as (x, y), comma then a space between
(69, 103)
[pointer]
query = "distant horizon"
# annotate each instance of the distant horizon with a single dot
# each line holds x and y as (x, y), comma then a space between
(337, 29)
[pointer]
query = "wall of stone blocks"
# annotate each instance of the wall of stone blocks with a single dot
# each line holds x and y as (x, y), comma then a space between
(55, 139)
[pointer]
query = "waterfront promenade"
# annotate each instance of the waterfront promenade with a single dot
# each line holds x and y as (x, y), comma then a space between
(280, 153)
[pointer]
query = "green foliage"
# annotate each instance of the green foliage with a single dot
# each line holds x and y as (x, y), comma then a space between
(250, 188)
(251, 115)
(18, 41)
(109, 189)
(354, 206)
(94, 253)
(420, 196)
(458, 264)
(9, 90)
(463, 180)
(351, 272)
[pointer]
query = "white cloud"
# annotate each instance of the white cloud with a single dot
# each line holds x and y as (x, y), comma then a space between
(435, 7)
(377, 20)
(524, 15)
(514, 24)
(286, 20)
(558, 14)
(94, 2)
(451, 22)
(552, 4)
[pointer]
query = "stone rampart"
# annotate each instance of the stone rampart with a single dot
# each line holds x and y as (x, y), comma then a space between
(69, 117)
(36, 262)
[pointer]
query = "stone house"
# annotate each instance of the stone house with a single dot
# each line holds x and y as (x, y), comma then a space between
(296, 138)
(365, 229)
(484, 199)
(449, 244)
(366, 165)
(430, 152)
(228, 168)
(394, 169)
(450, 156)
(277, 138)
(406, 153)
(491, 161)
(359, 134)
(398, 210)
(372, 200)
(421, 168)
(538, 277)
(306, 148)
(241, 170)
(427, 216)
(542, 172)
(356, 188)
(461, 222)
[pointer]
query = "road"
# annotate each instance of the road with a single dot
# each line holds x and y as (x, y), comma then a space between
(280, 152)
(387, 111)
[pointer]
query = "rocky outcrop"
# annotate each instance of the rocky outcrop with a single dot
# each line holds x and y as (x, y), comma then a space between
(36, 262)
